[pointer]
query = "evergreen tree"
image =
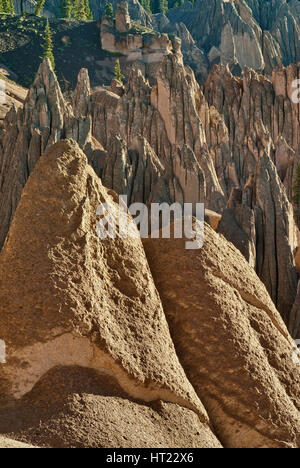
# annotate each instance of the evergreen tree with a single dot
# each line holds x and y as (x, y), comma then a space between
(159, 6)
(118, 75)
(11, 7)
(48, 45)
(163, 6)
(7, 6)
(39, 7)
(109, 10)
(66, 7)
(79, 10)
(147, 5)
(89, 13)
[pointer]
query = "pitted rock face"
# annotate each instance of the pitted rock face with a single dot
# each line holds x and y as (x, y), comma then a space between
(231, 341)
(76, 407)
(69, 298)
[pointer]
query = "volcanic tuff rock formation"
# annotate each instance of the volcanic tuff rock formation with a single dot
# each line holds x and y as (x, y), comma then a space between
(45, 119)
(166, 116)
(68, 298)
(78, 407)
(263, 132)
(134, 44)
(11, 94)
(90, 360)
(230, 339)
(168, 141)
(260, 34)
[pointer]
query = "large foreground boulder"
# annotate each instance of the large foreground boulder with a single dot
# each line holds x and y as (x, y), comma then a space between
(232, 342)
(68, 299)
(74, 407)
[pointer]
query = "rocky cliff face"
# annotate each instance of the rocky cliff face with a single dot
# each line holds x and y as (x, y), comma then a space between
(165, 118)
(44, 120)
(215, 305)
(255, 33)
(86, 304)
(171, 141)
(262, 121)
(90, 361)
(132, 43)
(85, 328)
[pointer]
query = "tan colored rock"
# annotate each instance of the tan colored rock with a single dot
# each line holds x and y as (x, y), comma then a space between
(12, 444)
(167, 116)
(45, 119)
(129, 41)
(82, 94)
(231, 341)
(117, 87)
(68, 298)
(213, 219)
(12, 94)
(72, 407)
(295, 315)
(123, 23)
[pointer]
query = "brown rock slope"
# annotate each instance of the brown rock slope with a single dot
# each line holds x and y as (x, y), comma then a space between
(231, 341)
(12, 444)
(45, 119)
(68, 298)
(73, 407)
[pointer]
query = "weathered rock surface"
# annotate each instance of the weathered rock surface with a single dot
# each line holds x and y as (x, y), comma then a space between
(255, 33)
(12, 444)
(295, 316)
(230, 339)
(73, 407)
(68, 298)
(165, 120)
(133, 43)
(45, 119)
(11, 94)
(259, 159)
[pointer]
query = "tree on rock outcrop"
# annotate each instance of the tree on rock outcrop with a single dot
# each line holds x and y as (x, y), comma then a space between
(88, 10)
(159, 6)
(109, 10)
(82, 10)
(7, 6)
(146, 4)
(39, 7)
(118, 72)
(66, 7)
(48, 45)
